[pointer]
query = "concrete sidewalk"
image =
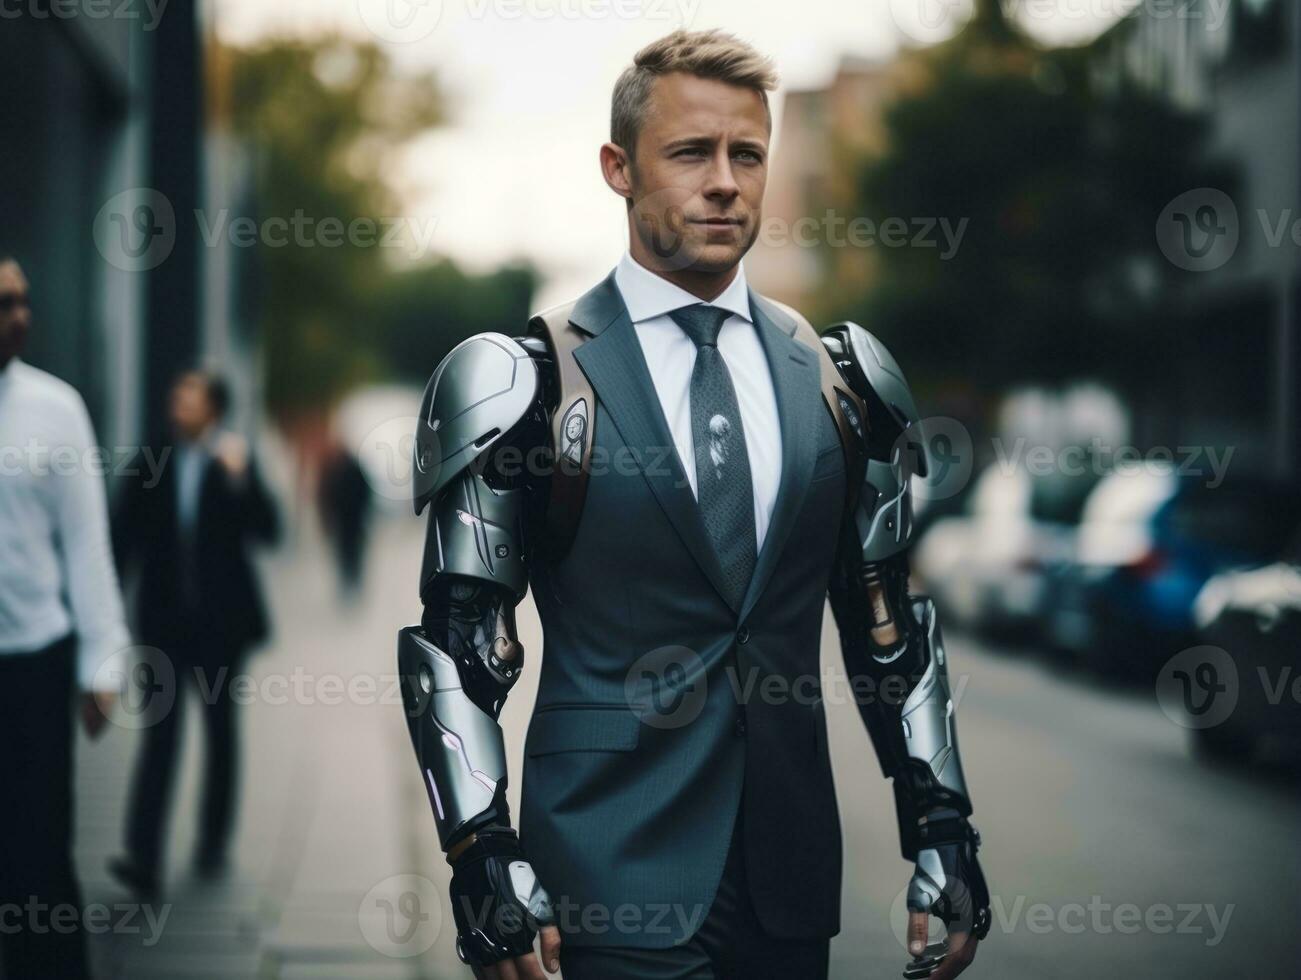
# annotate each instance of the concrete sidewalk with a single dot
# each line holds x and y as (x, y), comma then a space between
(336, 872)
(1081, 793)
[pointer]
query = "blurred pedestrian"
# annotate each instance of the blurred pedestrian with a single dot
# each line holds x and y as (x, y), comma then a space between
(199, 602)
(343, 499)
(61, 618)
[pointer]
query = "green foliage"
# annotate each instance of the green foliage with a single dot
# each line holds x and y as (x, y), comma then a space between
(1061, 186)
(417, 333)
(326, 120)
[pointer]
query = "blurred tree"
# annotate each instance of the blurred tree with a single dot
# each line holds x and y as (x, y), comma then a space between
(327, 121)
(322, 117)
(1060, 186)
(417, 333)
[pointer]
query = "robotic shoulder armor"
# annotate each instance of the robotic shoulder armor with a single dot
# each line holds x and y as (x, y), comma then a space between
(484, 387)
(874, 375)
(895, 446)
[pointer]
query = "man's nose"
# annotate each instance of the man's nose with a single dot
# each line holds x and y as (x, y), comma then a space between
(722, 181)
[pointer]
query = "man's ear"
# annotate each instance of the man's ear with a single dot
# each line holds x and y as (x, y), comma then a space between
(616, 168)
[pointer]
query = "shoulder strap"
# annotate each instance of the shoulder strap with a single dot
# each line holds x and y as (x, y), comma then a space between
(572, 425)
(834, 390)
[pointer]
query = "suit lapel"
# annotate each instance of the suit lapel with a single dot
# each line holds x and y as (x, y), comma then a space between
(613, 362)
(796, 379)
(208, 490)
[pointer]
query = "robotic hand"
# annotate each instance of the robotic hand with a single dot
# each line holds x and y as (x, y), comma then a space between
(497, 903)
(948, 884)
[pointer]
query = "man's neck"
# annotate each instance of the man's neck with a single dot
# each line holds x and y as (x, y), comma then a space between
(705, 285)
(200, 439)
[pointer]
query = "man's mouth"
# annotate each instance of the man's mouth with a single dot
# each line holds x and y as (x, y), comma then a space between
(720, 222)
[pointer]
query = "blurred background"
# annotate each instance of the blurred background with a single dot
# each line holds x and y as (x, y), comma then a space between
(1077, 225)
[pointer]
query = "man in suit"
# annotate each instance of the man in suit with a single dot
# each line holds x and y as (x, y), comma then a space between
(717, 473)
(199, 605)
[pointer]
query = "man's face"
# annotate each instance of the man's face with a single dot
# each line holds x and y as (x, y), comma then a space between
(15, 313)
(191, 407)
(699, 172)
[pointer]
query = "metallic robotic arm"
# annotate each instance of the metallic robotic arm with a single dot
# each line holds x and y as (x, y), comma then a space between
(481, 410)
(891, 640)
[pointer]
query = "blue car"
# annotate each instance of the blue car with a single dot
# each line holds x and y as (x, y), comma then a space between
(1148, 543)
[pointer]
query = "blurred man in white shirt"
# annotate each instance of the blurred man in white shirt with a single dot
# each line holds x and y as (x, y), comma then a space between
(61, 618)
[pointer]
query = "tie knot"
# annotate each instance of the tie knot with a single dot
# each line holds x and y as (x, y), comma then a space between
(701, 323)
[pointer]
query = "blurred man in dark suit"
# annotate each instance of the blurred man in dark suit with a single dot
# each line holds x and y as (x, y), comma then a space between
(343, 499)
(200, 604)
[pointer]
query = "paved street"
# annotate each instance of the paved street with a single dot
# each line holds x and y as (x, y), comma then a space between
(1087, 799)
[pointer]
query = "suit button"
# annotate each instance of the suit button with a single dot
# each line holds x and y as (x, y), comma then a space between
(738, 727)
(743, 635)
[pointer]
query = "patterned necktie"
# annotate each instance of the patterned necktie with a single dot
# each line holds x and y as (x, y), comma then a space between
(723, 484)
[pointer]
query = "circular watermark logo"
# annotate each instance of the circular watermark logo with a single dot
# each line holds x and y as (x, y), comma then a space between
(666, 688)
(899, 913)
(949, 456)
(387, 456)
(402, 916)
(930, 21)
(145, 680)
(135, 231)
(954, 899)
(1198, 687)
(1198, 230)
(400, 21)
(675, 232)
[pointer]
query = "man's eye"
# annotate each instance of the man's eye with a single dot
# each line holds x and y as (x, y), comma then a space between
(751, 154)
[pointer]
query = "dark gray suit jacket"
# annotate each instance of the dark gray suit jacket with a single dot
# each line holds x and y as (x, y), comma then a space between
(639, 755)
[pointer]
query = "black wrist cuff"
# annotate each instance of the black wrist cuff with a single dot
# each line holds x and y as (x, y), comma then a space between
(943, 830)
(489, 842)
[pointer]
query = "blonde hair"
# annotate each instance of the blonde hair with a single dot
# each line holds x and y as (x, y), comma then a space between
(706, 54)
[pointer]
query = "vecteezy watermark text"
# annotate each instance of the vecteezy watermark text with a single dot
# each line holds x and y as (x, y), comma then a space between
(1100, 457)
(594, 918)
(833, 230)
(36, 458)
(1105, 918)
(150, 12)
(136, 230)
(305, 231)
(40, 918)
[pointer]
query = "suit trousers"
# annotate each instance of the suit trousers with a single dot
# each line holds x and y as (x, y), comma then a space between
(731, 943)
(208, 674)
(36, 821)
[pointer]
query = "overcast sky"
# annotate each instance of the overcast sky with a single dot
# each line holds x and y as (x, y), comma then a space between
(515, 172)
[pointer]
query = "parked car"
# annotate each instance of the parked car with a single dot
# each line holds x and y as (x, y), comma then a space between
(987, 566)
(1255, 617)
(1115, 531)
(1148, 542)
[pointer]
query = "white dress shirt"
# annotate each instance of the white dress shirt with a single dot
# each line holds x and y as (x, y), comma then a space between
(671, 354)
(191, 461)
(56, 560)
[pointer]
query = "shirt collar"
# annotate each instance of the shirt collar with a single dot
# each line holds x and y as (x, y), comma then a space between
(204, 442)
(8, 371)
(648, 295)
